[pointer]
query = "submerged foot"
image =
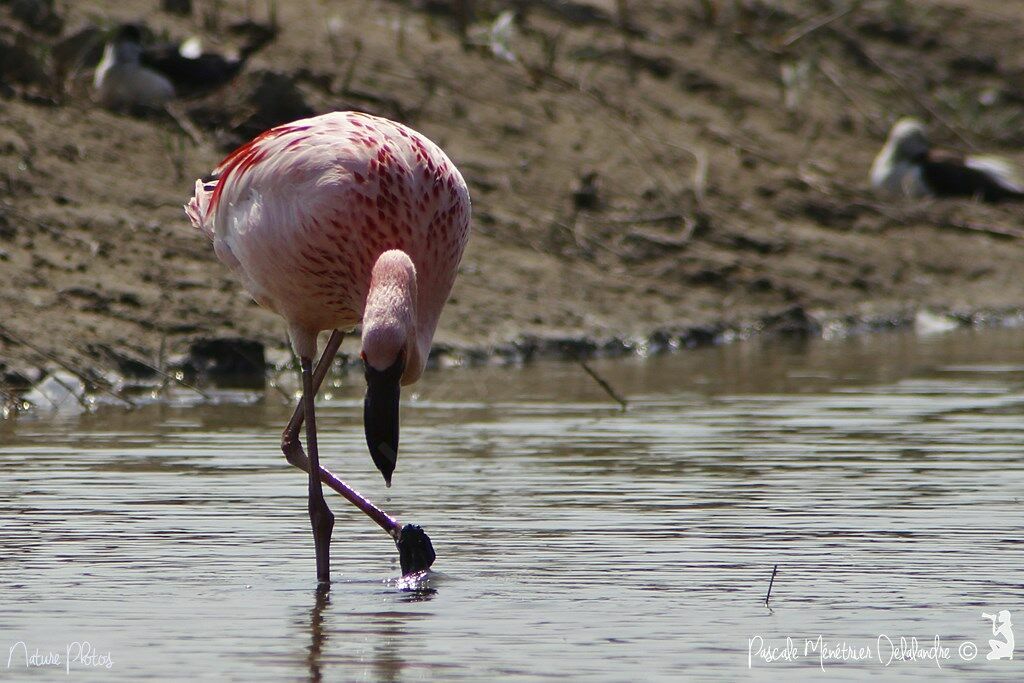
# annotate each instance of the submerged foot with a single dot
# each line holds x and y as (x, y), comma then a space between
(415, 551)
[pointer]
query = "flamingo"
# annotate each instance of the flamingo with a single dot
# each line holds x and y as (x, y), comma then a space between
(331, 221)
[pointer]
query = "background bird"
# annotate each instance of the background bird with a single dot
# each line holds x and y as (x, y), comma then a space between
(332, 221)
(192, 69)
(122, 82)
(908, 166)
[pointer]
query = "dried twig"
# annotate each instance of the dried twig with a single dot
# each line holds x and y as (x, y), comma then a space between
(353, 62)
(992, 231)
(275, 384)
(723, 137)
(80, 374)
(71, 390)
(832, 74)
(810, 27)
(905, 87)
(170, 376)
(604, 385)
(186, 126)
(648, 218)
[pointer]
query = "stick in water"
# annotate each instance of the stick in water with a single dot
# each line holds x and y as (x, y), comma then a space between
(604, 385)
(769, 595)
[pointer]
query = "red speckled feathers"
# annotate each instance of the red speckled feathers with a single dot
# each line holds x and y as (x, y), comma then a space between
(303, 211)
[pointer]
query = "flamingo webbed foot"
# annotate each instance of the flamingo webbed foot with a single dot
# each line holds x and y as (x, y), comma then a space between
(415, 551)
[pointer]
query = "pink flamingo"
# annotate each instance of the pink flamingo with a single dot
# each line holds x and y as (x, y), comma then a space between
(332, 221)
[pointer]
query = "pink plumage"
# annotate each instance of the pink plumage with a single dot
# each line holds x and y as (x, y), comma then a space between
(304, 211)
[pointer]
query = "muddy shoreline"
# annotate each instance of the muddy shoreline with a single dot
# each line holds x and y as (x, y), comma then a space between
(667, 179)
(244, 364)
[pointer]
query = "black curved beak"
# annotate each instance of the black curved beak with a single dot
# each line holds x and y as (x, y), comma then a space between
(380, 415)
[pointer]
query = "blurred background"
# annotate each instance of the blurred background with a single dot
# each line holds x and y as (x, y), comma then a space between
(644, 174)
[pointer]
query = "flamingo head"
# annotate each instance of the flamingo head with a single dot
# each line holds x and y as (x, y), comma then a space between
(390, 353)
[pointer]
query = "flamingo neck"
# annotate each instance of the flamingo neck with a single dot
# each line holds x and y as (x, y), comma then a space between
(389, 318)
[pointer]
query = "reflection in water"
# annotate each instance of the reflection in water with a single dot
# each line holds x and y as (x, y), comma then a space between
(318, 636)
(387, 646)
(883, 476)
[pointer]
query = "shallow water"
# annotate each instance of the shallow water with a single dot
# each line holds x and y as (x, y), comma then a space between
(882, 474)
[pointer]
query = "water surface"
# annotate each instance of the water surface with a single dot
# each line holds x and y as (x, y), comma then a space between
(882, 474)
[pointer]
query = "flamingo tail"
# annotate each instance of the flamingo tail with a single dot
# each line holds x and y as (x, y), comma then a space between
(198, 207)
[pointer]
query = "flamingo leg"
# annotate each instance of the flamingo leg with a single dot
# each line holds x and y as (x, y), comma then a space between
(296, 456)
(415, 551)
(320, 516)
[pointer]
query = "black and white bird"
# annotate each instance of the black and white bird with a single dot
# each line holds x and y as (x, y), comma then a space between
(135, 73)
(908, 166)
(121, 81)
(192, 69)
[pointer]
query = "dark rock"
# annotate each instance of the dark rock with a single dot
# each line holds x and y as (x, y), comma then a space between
(8, 231)
(133, 368)
(898, 32)
(130, 299)
(525, 348)
(659, 66)
(660, 341)
(476, 356)
(577, 13)
(275, 100)
(227, 361)
(752, 243)
(617, 347)
(586, 194)
(80, 49)
(700, 336)
(18, 378)
(38, 15)
(508, 353)
(793, 321)
(19, 63)
(126, 365)
(695, 81)
(253, 34)
(831, 213)
(447, 8)
(716, 275)
(530, 347)
(984, 64)
(182, 7)
(438, 353)
(256, 101)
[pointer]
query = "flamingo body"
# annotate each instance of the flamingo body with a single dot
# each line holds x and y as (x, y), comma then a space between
(304, 212)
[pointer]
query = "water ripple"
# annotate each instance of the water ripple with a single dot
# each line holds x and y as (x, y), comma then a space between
(573, 539)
